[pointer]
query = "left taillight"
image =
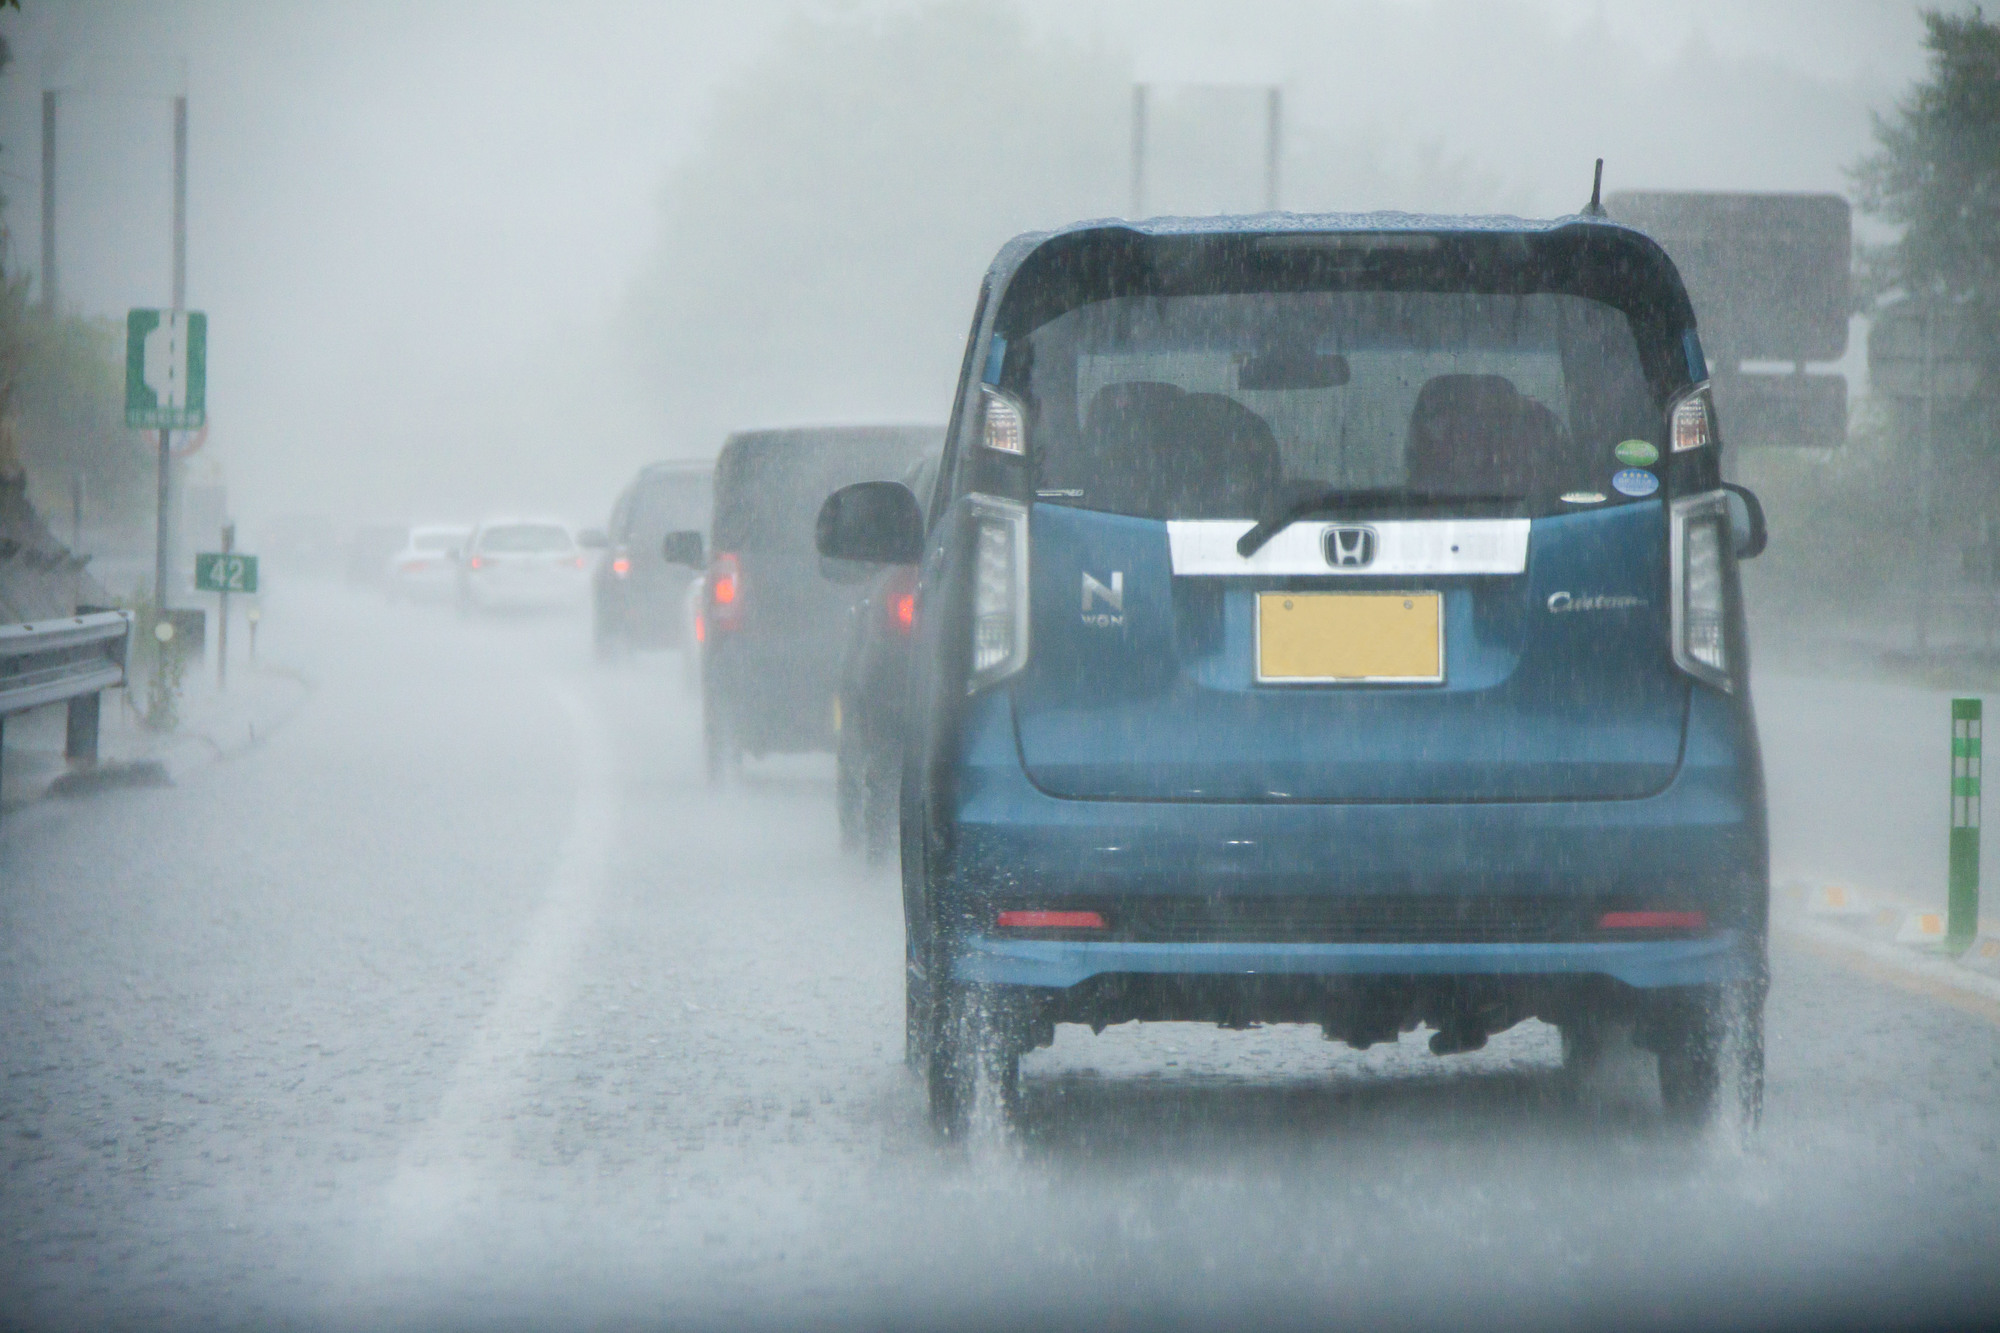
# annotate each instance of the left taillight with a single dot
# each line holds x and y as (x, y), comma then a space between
(1700, 598)
(999, 589)
(725, 591)
(621, 565)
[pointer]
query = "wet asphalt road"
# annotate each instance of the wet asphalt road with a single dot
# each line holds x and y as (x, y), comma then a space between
(463, 1001)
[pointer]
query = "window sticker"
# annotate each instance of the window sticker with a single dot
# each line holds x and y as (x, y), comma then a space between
(1583, 498)
(1634, 481)
(1636, 453)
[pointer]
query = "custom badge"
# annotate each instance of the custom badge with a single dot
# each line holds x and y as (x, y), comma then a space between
(1583, 497)
(1634, 481)
(1636, 453)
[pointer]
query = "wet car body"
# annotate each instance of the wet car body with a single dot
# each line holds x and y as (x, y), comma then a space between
(638, 599)
(771, 624)
(1122, 801)
(521, 565)
(426, 568)
(874, 671)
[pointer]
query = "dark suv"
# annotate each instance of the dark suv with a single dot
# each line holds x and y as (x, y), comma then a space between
(771, 624)
(638, 599)
(1330, 620)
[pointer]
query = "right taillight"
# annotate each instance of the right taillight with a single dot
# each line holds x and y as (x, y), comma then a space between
(1691, 422)
(999, 589)
(725, 592)
(1701, 588)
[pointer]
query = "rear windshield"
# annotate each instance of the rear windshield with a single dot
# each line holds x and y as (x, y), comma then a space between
(770, 487)
(1228, 405)
(668, 504)
(525, 537)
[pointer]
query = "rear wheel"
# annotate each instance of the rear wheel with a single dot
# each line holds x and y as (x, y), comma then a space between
(1711, 1051)
(724, 754)
(850, 787)
(972, 1066)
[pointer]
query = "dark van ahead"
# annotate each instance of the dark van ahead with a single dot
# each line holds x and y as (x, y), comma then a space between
(771, 625)
(638, 599)
(1330, 620)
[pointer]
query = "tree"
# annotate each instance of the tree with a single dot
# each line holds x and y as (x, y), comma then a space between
(1936, 173)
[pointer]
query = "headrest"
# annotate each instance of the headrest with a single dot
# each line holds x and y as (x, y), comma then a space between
(1158, 451)
(1478, 435)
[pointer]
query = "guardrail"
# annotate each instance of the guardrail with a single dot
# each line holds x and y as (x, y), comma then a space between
(75, 658)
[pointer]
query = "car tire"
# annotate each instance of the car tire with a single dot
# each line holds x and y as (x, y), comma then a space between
(850, 787)
(1711, 1053)
(881, 793)
(972, 1071)
(721, 750)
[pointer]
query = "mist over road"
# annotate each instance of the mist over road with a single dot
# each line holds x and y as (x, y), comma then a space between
(465, 998)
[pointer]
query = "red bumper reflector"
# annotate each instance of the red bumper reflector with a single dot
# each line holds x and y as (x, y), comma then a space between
(1652, 921)
(1050, 921)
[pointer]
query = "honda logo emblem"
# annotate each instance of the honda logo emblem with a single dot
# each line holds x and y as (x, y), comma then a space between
(1349, 548)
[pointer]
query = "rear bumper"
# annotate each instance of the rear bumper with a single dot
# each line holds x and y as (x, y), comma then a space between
(1698, 844)
(1725, 956)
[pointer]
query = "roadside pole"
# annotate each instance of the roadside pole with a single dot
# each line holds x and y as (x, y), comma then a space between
(222, 619)
(161, 527)
(1962, 906)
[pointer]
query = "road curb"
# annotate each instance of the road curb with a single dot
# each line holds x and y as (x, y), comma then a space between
(1890, 932)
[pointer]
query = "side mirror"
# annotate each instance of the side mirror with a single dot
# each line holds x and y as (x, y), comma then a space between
(1747, 529)
(873, 521)
(683, 548)
(593, 539)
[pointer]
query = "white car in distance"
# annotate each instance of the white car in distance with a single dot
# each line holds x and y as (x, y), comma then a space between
(527, 564)
(426, 569)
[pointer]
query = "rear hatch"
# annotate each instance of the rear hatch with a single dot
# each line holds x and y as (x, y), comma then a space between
(769, 487)
(1468, 604)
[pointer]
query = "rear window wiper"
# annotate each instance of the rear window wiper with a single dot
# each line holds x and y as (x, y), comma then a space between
(1341, 500)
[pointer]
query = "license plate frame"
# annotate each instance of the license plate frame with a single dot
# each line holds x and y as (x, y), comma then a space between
(1350, 638)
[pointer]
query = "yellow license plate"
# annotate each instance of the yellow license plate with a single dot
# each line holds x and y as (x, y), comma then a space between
(1360, 637)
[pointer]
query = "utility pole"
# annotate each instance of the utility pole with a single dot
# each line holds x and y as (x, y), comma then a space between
(1273, 144)
(1138, 150)
(49, 200)
(163, 529)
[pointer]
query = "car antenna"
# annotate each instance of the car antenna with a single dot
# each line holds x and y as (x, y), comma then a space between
(1595, 208)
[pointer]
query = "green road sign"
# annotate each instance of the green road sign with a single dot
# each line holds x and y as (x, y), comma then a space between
(166, 369)
(225, 571)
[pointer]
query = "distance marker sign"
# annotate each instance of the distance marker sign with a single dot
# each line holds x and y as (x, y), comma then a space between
(166, 369)
(225, 571)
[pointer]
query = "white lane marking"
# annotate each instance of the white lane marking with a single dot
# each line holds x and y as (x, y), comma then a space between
(441, 1169)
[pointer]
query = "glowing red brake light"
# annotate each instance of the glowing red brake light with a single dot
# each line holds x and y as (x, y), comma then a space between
(621, 566)
(1652, 921)
(725, 591)
(475, 563)
(904, 609)
(1050, 921)
(700, 630)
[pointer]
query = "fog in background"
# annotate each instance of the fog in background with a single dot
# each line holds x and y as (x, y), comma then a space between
(466, 256)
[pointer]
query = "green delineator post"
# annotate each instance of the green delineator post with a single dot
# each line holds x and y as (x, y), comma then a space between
(1962, 920)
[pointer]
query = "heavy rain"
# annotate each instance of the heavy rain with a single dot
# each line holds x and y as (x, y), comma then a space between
(989, 663)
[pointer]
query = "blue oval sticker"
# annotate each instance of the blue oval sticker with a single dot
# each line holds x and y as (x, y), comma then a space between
(1634, 481)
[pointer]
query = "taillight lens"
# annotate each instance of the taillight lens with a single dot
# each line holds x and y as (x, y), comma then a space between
(1701, 588)
(1692, 421)
(1038, 920)
(725, 591)
(999, 589)
(475, 563)
(1005, 428)
(899, 602)
(1653, 921)
(621, 565)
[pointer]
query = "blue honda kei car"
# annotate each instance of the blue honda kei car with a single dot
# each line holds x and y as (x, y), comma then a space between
(1330, 619)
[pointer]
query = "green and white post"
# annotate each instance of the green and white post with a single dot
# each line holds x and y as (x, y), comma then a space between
(1962, 920)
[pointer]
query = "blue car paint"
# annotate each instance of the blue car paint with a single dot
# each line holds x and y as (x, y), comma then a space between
(1709, 960)
(1159, 704)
